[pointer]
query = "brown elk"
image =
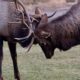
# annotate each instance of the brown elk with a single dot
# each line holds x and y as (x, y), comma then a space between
(62, 32)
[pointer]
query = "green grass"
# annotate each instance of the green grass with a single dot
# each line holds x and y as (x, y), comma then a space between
(34, 65)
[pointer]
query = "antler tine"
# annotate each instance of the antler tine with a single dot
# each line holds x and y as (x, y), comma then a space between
(20, 3)
(15, 1)
(52, 14)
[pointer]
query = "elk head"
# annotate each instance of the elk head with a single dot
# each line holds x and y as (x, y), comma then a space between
(43, 37)
(21, 31)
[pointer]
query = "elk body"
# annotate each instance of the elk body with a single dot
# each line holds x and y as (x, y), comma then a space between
(12, 31)
(62, 32)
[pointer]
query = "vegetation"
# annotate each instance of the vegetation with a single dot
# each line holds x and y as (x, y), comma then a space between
(34, 65)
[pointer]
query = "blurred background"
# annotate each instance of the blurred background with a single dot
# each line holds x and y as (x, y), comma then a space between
(48, 4)
(49, 1)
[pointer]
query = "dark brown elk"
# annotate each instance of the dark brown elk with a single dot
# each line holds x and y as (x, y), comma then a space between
(14, 28)
(62, 32)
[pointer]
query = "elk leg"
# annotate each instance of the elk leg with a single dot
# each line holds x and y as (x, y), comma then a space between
(1, 58)
(12, 47)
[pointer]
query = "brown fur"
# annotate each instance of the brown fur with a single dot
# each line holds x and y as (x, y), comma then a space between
(64, 32)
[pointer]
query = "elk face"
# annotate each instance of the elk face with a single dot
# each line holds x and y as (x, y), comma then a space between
(43, 37)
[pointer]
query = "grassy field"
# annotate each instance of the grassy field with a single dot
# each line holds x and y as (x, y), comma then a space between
(34, 65)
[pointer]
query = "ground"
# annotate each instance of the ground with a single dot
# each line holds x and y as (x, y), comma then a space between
(34, 65)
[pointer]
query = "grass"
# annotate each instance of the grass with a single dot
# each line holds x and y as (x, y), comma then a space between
(34, 65)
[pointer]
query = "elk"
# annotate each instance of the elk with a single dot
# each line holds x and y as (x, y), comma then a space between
(13, 31)
(62, 32)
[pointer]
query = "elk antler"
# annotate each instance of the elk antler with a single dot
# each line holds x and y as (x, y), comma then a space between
(38, 13)
(24, 12)
(38, 10)
(24, 22)
(15, 3)
(52, 15)
(21, 4)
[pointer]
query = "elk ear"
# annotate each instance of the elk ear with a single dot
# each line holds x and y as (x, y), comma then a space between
(44, 20)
